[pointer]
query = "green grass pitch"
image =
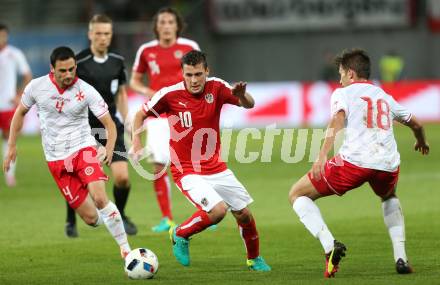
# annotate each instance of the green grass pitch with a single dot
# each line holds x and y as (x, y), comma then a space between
(34, 250)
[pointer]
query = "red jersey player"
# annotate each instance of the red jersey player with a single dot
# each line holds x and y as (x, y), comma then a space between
(368, 154)
(160, 61)
(63, 101)
(193, 107)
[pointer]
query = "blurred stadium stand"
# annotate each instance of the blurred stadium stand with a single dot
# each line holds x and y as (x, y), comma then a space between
(277, 53)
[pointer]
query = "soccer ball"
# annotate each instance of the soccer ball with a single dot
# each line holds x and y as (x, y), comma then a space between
(141, 263)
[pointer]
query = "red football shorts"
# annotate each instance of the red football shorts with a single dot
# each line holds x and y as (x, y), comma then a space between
(341, 176)
(6, 119)
(74, 173)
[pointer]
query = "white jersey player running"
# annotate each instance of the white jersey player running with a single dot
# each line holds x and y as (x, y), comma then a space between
(364, 145)
(368, 154)
(12, 65)
(62, 102)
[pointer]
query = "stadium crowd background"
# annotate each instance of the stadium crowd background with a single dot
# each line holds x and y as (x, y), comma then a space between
(290, 48)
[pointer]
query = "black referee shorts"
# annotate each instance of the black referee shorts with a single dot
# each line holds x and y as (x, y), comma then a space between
(119, 145)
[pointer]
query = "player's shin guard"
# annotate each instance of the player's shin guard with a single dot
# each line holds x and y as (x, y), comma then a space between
(249, 234)
(393, 217)
(162, 189)
(113, 221)
(197, 223)
(310, 216)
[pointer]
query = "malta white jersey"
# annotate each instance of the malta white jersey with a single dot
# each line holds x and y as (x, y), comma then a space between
(369, 113)
(63, 114)
(12, 64)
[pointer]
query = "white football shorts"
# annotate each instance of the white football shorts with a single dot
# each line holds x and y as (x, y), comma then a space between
(206, 191)
(158, 140)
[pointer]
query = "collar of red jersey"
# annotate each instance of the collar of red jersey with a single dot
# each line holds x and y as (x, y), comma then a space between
(61, 90)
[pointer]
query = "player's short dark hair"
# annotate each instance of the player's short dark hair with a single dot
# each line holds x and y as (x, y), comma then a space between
(356, 60)
(61, 53)
(4, 27)
(180, 22)
(100, 18)
(193, 58)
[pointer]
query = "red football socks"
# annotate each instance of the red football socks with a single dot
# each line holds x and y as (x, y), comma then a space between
(162, 189)
(249, 234)
(197, 223)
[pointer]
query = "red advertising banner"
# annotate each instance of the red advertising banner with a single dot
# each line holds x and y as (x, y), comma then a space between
(433, 13)
(293, 104)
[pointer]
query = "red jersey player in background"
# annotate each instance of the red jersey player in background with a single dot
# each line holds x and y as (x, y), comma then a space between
(193, 108)
(160, 61)
(368, 154)
(63, 101)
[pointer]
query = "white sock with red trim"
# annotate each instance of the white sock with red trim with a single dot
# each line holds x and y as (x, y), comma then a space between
(393, 218)
(310, 216)
(99, 221)
(113, 221)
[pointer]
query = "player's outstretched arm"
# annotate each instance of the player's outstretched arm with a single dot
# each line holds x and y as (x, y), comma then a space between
(246, 100)
(110, 128)
(138, 122)
(16, 126)
(336, 124)
(137, 85)
(421, 144)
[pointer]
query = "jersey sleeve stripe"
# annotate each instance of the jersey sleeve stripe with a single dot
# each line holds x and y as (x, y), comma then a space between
(145, 108)
(185, 41)
(116, 55)
(83, 59)
(24, 104)
(220, 80)
(103, 114)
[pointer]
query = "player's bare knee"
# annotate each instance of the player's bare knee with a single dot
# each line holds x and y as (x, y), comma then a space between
(122, 181)
(387, 197)
(293, 194)
(243, 216)
(101, 202)
(218, 212)
(303, 188)
(158, 168)
(90, 219)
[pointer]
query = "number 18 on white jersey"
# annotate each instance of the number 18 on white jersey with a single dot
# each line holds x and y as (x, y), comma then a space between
(369, 113)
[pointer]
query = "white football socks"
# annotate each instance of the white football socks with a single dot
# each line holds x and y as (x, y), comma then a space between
(310, 216)
(393, 217)
(99, 221)
(13, 163)
(112, 219)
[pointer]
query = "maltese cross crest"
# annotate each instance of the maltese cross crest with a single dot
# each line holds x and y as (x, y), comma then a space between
(79, 96)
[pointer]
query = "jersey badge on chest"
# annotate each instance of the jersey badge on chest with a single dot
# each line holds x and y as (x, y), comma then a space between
(178, 54)
(79, 96)
(209, 98)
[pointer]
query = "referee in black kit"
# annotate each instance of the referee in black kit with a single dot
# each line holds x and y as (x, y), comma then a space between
(105, 71)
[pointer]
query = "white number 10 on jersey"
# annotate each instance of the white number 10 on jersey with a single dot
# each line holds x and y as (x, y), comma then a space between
(185, 119)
